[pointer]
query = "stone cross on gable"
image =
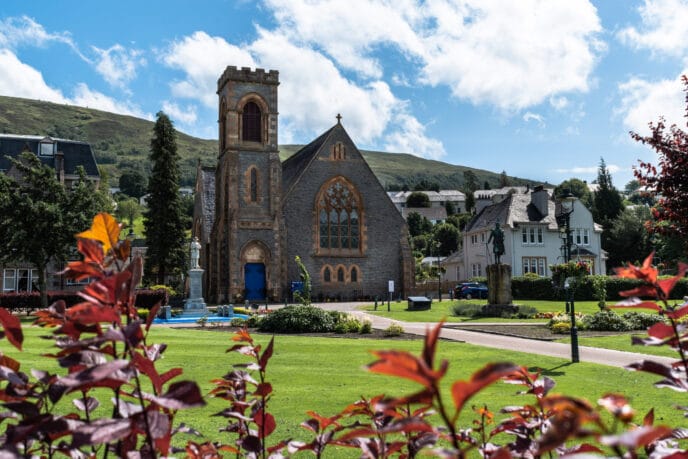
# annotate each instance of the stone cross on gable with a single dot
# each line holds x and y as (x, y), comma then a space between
(339, 118)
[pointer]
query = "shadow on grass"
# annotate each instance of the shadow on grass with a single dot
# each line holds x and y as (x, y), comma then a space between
(551, 371)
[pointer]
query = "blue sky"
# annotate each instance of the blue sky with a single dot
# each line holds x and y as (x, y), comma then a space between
(541, 89)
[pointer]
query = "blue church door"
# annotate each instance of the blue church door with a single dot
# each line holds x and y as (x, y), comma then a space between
(254, 280)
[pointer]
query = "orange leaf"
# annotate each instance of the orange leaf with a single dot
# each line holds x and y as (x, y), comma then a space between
(402, 364)
(104, 229)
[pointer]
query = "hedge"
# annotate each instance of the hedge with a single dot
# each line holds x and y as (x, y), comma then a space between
(145, 299)
(541, 288)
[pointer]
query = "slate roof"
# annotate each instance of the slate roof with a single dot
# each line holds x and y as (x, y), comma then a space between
(515, 208)
(75, 153)
(298, 162)
(433, 196)
(431, 213)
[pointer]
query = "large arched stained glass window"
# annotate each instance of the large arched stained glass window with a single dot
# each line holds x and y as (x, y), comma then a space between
(339, 218)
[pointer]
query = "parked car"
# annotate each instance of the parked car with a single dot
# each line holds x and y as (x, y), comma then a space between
(470, 290)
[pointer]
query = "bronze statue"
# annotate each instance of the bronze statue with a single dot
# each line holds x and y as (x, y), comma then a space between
(497, 239)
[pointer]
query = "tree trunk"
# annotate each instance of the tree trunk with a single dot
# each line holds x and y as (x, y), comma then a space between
(43, 285)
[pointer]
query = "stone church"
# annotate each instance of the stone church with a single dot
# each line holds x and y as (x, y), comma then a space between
(254, 214)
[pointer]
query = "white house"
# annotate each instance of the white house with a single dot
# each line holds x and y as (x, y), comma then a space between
(437, 199)
(533, 235)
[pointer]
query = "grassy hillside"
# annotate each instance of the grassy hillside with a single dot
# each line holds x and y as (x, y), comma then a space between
(122, 142)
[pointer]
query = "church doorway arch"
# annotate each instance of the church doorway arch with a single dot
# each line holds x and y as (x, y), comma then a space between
(254, 258)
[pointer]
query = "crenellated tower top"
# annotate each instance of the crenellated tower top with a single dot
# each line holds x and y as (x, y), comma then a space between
(246, 75)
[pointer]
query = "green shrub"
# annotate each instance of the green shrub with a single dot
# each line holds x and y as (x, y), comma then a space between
(526, 312)
(394, 330)
(532, 288)
(237, 322)
(605, 321)
(366, 327)
(254, 321)
(641, 320)
(298, 319)
(466, 309)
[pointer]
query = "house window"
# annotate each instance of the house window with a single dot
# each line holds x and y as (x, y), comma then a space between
(46, 148)
(482, 237)
(250, 123)
(532, 235)
(582, 236)
(339, 218)
(474, 239)
(535, 265)
(477, 269)
(19, 280)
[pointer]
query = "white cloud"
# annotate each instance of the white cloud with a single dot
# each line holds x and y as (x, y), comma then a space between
(530, 116)
(664, 28)
(18, 79)
(18, 31)
(86, 97)
(559, 103)
(611, 168)
(184, 115)
(117, 65)
(645, 101)
(202, 59)
(411, 138)
(511, 55)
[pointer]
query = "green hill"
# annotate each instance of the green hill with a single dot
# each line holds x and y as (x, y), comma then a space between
(121, 142)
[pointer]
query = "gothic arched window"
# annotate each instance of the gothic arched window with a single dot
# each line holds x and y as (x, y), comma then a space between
(339, 218)
(327, 274)
(354, 274)
(251, 123)
(340, 274)
(254, 185)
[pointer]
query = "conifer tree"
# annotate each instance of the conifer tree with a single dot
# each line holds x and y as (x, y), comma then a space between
(607, 201)
(163, 221)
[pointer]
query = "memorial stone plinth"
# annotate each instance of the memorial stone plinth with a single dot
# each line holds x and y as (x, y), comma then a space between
(499, 284)
(195, 304)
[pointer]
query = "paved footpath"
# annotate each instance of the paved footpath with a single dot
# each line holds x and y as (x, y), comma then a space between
(562, 350)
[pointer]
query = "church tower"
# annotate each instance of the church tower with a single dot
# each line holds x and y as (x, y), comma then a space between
(245, 256)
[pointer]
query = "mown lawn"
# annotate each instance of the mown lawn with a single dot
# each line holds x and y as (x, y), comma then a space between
(443, 310)
(326, 374)
(623, 343)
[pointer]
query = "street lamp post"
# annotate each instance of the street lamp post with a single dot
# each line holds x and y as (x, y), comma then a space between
(439, 272)
(131, 237)
(566, 210)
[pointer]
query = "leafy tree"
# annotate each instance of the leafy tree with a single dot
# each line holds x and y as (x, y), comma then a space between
(459, 220)
(576, 187)
(470, 201)
(504, 180)
(39, 217)
(607, 201)
(449, 207)
(418, 224)
(628, 239)
(163, 221)
(448, 237)
(470, 181)
(418, 199)
(133, 183)
(669, 179)
(486, 185)
(424, 185)
(129, 209)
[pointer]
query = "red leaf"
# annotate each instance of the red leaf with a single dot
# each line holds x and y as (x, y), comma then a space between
(643, 290)
(636, 438)
(100, 431)
(404, 365)
(660, 330)
(242, 335)
(678, 313)
(263, 362)
(263, 390)
(266, 423)
(463, 390)
(649, 418)
(89, 313)
(91, 250)
(636, 303)
(152, 314)
(430, 343)
(9, 362)
(181, 395)
(12, 328)
(104, 229)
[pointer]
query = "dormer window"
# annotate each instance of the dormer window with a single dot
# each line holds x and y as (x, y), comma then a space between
(46, 147)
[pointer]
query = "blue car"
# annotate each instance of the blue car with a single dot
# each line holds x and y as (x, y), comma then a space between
(470, 290)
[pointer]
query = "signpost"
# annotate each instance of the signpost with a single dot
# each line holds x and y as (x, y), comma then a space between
(390, 289)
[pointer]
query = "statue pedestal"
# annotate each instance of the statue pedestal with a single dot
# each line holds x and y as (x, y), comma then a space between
(499, 284)
(195, 303)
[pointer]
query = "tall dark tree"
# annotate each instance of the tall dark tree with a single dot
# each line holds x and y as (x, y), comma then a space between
(418, 224)
(607, 201)
(669, 178)
(504, 180)
(133, 183)
(163, 221)
(628, 239)
(39, 217)
(448, 237)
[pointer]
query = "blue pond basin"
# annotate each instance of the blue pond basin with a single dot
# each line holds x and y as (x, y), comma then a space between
(193, 318)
